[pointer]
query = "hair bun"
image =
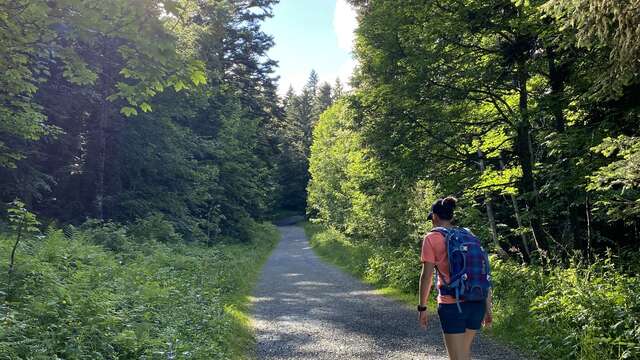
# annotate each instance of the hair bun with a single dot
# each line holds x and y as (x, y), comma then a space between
(450, 202)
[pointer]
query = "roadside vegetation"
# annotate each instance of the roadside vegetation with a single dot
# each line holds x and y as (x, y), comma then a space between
(107, 291)
(528, 113)
(580, 311)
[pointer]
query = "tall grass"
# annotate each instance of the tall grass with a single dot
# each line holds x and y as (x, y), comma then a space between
(110, 292)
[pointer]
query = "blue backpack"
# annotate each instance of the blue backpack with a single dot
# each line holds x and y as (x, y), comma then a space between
(470, 278)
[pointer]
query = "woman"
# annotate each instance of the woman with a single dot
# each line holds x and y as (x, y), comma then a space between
(459, 325)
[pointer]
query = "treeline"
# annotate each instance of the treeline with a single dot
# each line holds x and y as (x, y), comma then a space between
(120, 109)
(301, 113)
(527, 111)
(139, 144)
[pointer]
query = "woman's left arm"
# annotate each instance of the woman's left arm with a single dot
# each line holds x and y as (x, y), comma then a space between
(488, 316)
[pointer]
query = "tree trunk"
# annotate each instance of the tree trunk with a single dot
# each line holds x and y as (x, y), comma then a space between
(104, 91)
(101, 157)
(516, 212)
(489, 205)
(525, 157)
(556, 78)
(587, 207)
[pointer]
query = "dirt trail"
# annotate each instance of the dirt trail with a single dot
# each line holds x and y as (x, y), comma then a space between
(304, 308)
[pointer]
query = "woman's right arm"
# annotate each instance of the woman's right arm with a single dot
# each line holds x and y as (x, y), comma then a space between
(426, 279)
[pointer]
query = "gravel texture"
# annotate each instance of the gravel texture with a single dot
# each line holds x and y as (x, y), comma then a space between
(304, 308)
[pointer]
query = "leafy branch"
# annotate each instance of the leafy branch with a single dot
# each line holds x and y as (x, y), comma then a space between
(23, 223)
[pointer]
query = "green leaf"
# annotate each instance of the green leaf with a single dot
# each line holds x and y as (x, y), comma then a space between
(145, 107)
(198, 77)
(179, 85)
(128, 111)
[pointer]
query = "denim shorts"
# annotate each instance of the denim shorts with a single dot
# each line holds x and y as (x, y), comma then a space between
(454, 322)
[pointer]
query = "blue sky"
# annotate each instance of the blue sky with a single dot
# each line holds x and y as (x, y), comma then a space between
(312, 34)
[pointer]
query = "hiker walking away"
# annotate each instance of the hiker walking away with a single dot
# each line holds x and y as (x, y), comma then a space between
(464, 287)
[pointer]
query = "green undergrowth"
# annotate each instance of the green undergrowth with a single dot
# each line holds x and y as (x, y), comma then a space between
(393, 272)
(576, 312)
(107, 291)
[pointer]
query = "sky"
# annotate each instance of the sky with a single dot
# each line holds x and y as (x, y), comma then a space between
(312, 34)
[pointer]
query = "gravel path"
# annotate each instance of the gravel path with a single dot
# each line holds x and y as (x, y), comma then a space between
(304, 308)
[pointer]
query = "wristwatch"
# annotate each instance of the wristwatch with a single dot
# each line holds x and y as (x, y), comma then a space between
(422, 308)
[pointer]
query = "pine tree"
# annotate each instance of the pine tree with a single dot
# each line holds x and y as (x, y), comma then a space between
(323, 100)
(338, 90)
(312, 83)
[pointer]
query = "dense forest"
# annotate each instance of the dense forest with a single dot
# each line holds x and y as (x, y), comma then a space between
(301, 113)
(529, 113)
(129, 129)
(143, 145)
(101, 123)
(115, 110)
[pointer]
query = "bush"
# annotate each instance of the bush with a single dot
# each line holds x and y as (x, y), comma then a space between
(110, 235)
(584, 312)
(154, 228)
(594, 312)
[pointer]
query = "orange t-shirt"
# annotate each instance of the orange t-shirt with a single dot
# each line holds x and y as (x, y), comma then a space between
(434, 251)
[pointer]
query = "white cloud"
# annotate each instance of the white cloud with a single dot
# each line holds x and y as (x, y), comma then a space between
(344, 24)
(344, 72)
(295, 80)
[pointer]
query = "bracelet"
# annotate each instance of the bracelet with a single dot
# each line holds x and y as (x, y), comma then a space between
(422, 308)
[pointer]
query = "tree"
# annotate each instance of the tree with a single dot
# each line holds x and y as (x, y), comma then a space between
(611, 27)
(324, 98)
(24, 32)
(338, 90)
(494, 97)
(23, 223)
(153, 104)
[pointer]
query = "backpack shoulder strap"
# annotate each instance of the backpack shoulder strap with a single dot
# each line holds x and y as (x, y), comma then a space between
(442, 230)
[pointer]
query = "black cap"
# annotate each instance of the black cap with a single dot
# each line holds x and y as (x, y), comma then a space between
(443, 211)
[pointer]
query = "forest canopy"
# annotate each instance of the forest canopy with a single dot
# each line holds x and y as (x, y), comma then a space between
(120, 109)
(524, 110)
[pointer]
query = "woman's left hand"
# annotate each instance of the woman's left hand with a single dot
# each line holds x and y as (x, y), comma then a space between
(488, 318)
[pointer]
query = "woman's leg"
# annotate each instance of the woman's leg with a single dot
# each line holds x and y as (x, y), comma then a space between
(475, 313)
(455, 344)
(468, 340)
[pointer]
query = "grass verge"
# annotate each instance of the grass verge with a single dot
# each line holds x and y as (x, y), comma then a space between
(354, 259)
